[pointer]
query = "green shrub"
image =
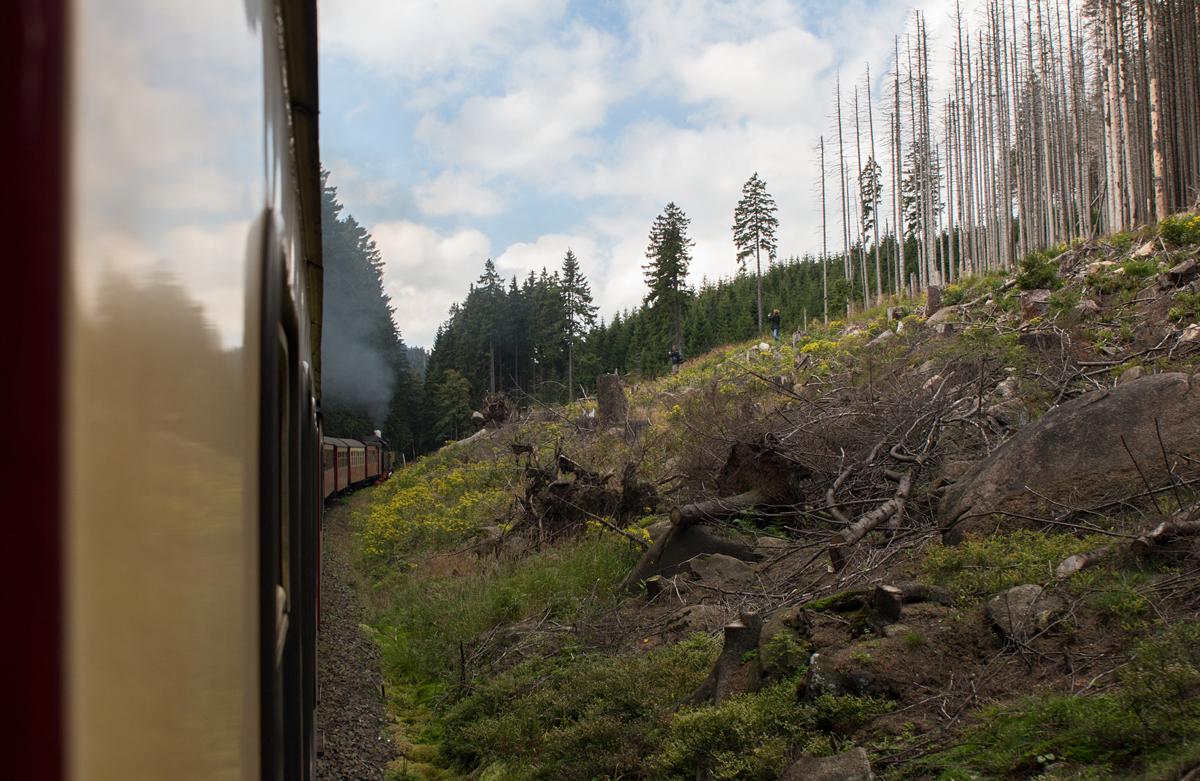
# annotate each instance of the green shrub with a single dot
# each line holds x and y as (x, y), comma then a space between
(1117, 597)
(748, 737)
(1160, 684)
(1122, 241)
(427, 616)
(1187, 307)
(1138, 269)
(1181, 229)
(1038, 272)
(954, 294)
(575, 718)
(980, 567)
(1019, 739)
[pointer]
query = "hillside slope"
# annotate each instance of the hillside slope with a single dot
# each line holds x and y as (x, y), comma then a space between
(789, 551)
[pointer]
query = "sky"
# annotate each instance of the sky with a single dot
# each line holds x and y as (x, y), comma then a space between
(462, 130)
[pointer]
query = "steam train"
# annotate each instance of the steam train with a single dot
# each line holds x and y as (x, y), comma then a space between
(161, 308)
(348, 462)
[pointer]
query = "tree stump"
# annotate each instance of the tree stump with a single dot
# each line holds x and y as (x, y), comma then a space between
(741, 637)
(933, 299)
(886, 605)
(610, 398)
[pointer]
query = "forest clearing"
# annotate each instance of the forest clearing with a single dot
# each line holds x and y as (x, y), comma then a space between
(809, 552)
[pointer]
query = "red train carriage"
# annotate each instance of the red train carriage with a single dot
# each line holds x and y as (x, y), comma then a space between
(162, 307)
(379, 457)
(358, 461)
(348, 462)
(329, 456)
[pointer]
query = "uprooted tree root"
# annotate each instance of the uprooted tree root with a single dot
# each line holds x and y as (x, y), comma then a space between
(553, 505)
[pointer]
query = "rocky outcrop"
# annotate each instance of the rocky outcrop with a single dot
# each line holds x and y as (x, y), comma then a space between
(1080, 439)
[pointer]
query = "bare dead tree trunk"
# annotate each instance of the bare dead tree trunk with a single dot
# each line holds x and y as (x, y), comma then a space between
(846, 267)
(824, 239)
(874, 192)
(862, 260)
(1160, 164)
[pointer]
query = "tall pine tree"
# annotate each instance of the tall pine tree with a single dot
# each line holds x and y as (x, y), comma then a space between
(754, 225)
(578, 312)
(668, 267)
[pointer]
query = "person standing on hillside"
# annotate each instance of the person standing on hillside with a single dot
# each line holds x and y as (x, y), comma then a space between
(676, 358)
(773, 319)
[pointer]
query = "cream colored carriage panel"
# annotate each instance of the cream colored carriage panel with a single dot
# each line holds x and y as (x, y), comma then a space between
(169, 181)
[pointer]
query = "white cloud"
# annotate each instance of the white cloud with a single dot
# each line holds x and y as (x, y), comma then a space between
(556, 96)
(664, 100)
(774, 76)
(425, 272)
(413, 40)
(456, 192)
(354, 188)
(547, 252)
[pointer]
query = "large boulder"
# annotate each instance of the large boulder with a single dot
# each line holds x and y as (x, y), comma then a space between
(853, 765)
(719, 568)
(1024, 611)
(1080, 439)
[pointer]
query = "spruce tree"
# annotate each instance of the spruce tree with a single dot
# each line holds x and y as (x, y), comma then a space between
(669, 258)
(754, 225)
(578, 312)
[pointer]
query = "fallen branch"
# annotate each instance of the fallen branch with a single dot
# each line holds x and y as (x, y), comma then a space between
(830, 502)
(720, 509)
(839, 546)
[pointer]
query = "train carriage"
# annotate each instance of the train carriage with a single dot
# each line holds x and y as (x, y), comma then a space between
(163, 308)
(329, 479)
(358, 461)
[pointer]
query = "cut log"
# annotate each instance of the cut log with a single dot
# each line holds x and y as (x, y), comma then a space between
(721, 509)
(1162, 534)
(654, 586)
(741, 637)
(671, 552)
(1073, 564)
(650, 562)
(920, 592)
(908, 592)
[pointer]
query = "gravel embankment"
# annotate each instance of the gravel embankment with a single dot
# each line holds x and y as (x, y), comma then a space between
(351, 712)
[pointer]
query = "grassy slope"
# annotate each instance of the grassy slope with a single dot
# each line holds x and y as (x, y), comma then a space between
(511, 653)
